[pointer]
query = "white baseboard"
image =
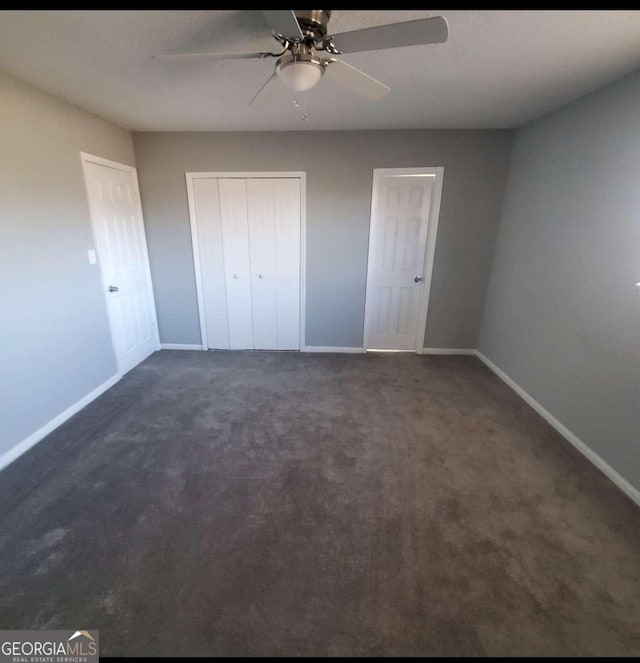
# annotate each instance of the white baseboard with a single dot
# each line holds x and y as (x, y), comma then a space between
(426, 351)
(585, 450)
(329, 348)
(34, 438)
(448, 351)
(180, 346)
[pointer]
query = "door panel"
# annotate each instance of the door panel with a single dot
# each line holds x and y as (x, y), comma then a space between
(121, 245)
(396, 254)
(288, 260)
(235, 237)
(212, 264)
(274, 235)
(262, 212)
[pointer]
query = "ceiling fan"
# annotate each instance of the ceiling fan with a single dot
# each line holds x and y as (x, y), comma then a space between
(303, 35)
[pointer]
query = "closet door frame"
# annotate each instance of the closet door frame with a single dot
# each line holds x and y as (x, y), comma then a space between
(300, 175)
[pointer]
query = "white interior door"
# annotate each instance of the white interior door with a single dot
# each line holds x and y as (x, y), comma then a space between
(274, 248)
(122, 253)
(398, 238)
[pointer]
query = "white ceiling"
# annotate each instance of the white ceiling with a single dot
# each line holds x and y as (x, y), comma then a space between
(499, 69)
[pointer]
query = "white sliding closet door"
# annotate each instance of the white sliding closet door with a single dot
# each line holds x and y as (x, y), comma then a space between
(247, 239)
(274, 249)
(235, 240)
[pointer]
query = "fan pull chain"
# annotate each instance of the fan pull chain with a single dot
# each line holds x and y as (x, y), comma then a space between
(296, 104)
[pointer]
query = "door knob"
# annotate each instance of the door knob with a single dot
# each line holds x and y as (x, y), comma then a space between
(113, 288)
(419, 279)
(235, 276)
(259, 276)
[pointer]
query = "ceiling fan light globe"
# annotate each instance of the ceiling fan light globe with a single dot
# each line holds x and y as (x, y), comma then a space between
(300, 75)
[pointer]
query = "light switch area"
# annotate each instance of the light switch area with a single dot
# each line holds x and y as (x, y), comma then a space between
(92, 257)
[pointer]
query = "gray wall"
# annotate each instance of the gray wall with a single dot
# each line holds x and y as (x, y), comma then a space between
(562, 315)
(55, 345)
(339, 168)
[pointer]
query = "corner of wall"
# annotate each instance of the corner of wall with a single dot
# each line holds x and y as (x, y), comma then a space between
(505, 188)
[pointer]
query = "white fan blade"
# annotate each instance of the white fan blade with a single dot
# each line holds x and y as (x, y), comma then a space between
(409, 33)
(255, 96)
(212, 56)
(355, 80)
(284, 22)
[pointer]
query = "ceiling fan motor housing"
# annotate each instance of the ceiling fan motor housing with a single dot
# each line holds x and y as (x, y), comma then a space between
(313, 22)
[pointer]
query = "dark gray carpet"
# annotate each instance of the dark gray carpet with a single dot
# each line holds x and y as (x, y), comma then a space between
(299, 504)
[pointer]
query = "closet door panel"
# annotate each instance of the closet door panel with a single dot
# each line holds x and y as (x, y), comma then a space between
(235, 235)
(274, 240)
(262, 215)
(287, 246)
(211, 255)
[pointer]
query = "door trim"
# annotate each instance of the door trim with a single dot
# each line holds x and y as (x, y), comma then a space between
(86, 158)
(92, 158)
(432, 232)
(302, 176)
